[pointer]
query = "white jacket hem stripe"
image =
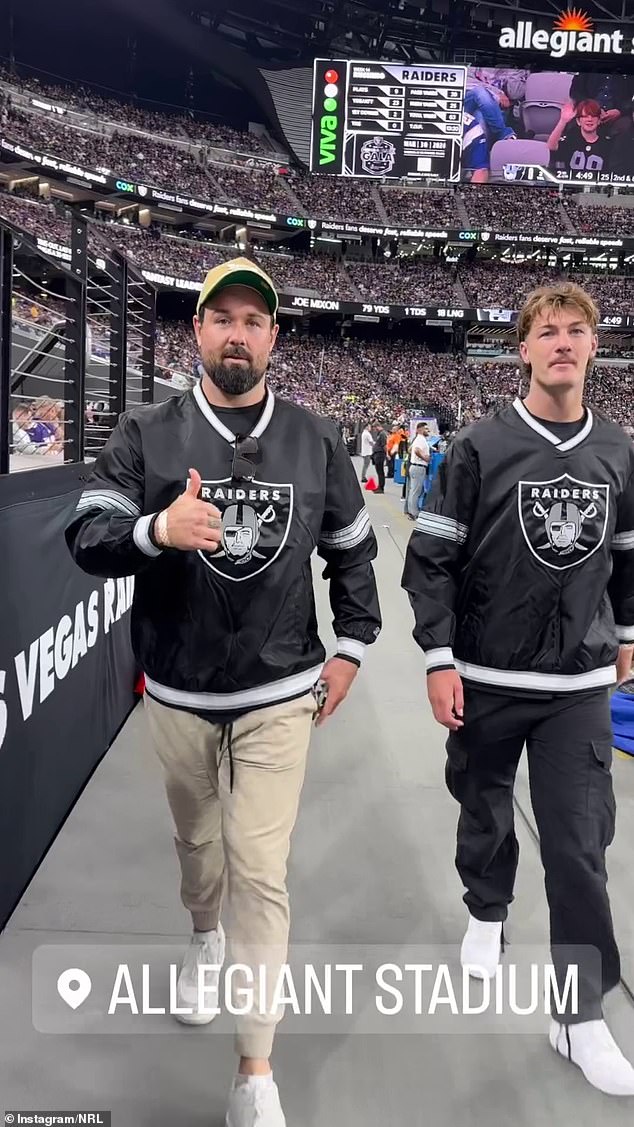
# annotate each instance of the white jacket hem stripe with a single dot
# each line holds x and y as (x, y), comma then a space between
(246, 698)
(547, 682)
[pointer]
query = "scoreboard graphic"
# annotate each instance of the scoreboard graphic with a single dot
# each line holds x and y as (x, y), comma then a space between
(387, 120)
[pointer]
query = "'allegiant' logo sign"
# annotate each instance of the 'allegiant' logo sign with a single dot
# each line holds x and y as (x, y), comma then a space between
(328, 119)
(572, 33)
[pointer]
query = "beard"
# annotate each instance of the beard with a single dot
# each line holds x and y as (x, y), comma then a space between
(232, 379)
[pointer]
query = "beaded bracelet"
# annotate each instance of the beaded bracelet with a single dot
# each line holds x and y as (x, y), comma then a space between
(160, 530)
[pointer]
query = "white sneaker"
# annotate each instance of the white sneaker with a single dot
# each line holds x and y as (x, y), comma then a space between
(481, 948)
(254, 1104)
(206, 948)
(591, 1046)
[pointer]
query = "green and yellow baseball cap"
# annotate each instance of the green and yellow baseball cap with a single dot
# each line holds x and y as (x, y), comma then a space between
(239, 272)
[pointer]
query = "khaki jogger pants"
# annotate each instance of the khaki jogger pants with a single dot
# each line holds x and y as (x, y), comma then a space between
(240, 836)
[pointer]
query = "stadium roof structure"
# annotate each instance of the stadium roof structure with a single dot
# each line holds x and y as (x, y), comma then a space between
(243, 60)
(144, 43)
(286, 31)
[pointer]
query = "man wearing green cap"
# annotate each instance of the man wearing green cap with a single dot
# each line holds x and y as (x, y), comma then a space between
(215, 500)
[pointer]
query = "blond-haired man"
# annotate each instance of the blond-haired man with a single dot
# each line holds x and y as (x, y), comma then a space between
(521, 576)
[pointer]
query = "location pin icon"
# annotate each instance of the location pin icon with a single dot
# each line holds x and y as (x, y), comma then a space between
(73, 987)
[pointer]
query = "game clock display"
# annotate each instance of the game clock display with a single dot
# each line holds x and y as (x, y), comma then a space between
(387, 120)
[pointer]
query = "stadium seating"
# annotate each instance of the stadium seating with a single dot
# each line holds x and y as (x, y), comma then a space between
(350, 379)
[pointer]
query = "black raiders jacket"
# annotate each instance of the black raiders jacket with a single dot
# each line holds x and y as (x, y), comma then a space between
(234, 630)
(521, 570)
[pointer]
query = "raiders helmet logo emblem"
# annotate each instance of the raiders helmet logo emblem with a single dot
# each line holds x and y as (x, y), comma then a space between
(564, 520)
(256, 518)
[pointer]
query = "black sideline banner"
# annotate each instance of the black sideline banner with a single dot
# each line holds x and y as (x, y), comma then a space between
(66, 670)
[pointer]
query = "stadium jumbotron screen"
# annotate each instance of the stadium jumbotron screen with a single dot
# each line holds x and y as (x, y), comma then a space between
(451, 123)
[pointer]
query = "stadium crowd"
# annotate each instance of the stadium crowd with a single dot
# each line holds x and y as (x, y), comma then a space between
(157, 160)
(148, 161)
(595, 219)
(360, 379)
(351, 379)
(37, 309)
(610, 388)
(152, 251)
(178, 125)
(334, 198)
(399, 280)
(498, 381)
(505, 285)
(503, 208)
(344, 377)
(37, 426)
(310, 272)
(613, 293)
(253, 186)
(502, 285)
(404, 280)
(421, 208)
(42, 220)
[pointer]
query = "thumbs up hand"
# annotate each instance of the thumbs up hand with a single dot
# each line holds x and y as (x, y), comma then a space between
(193, 484)
(192, 524)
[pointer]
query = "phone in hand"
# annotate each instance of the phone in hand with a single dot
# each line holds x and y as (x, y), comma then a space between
(320, 693)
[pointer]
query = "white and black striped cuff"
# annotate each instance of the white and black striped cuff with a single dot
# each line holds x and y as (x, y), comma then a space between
(351, 649)
(625, 635)
(442, 658)
(141, 536)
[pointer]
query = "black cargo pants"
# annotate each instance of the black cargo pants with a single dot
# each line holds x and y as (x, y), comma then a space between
(569, 745)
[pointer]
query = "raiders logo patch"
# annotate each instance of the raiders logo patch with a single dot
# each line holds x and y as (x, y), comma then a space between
(256, 518)
(563, 520)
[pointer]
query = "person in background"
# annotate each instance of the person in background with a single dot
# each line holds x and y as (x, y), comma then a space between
(612, 92)
(391, 448)
(621, 159)
(419, 459)
(443, 442)
(22, 442)
(488, 104)
(403, 453)
(475, 158)
(367, 446)
(378, 455)
(579, 142)
(50, 414)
